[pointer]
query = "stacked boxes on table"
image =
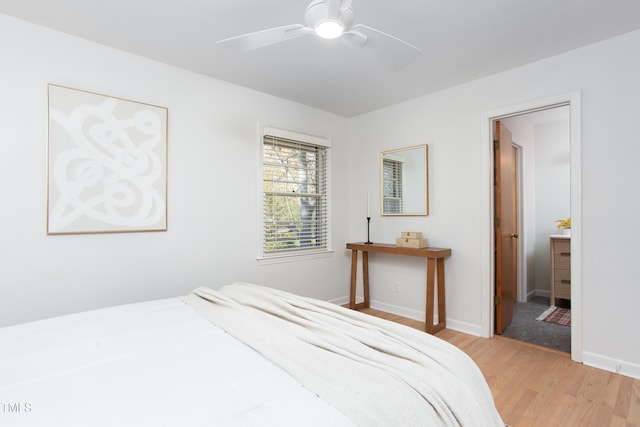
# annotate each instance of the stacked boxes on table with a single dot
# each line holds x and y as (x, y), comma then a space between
(411, 239)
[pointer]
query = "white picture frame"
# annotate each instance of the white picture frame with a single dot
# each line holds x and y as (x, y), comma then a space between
(106, 163)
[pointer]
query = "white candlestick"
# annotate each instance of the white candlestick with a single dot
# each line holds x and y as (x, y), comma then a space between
(368, 205)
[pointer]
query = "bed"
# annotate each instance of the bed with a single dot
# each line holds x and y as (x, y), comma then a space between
(244, 355)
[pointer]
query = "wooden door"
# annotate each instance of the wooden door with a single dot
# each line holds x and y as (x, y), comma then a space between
(506, 234)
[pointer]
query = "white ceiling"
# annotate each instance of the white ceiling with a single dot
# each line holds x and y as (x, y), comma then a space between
(461, 40)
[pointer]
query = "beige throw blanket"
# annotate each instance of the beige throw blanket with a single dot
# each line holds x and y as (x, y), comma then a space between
(376, 372)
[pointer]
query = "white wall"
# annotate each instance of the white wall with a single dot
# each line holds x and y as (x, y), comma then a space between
(213, 194)
(451, 123)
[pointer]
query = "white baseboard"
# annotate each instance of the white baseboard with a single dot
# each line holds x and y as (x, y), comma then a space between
(621, 367)
(456, 325)
(464, 327)
(339, 301)
(398, 310)
(389, 308)
(542, 293)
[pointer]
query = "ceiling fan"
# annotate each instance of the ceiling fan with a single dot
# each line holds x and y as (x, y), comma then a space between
(331, 19)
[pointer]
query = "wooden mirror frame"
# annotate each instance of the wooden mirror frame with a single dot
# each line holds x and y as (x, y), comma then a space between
(409, 182)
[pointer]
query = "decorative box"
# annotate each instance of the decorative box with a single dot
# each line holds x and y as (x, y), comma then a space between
(411, 235)
(411, 242)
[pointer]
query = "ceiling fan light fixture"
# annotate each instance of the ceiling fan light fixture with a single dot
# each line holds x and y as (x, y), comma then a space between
(329, 29)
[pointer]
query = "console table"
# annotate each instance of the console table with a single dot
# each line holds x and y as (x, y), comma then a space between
(435, 263)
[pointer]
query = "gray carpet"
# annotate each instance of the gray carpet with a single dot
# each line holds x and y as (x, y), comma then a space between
(525, 327)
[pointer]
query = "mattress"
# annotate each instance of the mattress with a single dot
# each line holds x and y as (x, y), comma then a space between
(157, 363)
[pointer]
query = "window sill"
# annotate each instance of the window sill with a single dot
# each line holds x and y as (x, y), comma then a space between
(277, 259)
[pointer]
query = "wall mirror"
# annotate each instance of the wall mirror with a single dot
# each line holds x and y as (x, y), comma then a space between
(404, 185)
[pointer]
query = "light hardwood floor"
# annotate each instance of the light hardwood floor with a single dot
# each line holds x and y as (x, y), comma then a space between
(535, 386)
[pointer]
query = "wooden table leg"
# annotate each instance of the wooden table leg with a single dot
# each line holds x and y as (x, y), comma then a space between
(429, 326)
(365, 278)
(428, 322)
(442, 306)
(354, 270)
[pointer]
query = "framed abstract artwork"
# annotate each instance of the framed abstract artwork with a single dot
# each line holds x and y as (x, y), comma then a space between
(107, 164)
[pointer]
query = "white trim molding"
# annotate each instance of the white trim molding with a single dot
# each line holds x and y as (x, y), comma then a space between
(621, 367)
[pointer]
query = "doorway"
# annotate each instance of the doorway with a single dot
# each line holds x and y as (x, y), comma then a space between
(528, 201)
(572, 101)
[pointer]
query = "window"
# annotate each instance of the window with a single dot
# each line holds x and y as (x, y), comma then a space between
(294, 182)
(392, 191)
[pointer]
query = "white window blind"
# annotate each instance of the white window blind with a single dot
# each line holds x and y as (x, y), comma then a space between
(295, 197)
(392, 191)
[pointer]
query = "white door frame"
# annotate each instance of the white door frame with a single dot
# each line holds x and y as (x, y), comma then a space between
(521, 295)
(488, 274)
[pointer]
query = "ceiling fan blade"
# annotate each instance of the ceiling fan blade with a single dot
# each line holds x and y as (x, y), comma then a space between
(354, 39)
(333, 8)
(264, 38)
(391, 51)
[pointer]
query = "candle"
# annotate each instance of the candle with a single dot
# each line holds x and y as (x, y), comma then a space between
(368, 205)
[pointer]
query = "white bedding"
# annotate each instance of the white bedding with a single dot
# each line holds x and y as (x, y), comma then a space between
(377, 372)
(156, 363)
